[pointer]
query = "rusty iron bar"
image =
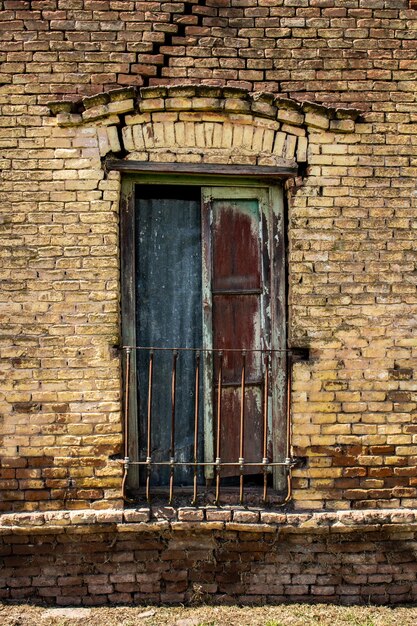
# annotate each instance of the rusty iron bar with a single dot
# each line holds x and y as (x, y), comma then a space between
(170, 349)
(149, 428)
(265, 464)
(219, 424)
(196, 424)
(265, 429)
(242, 428)
(289, 364)
(126, 423)
(173, 403)
(127, 393)
(287, 463)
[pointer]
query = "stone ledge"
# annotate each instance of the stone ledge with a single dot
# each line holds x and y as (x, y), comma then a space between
(208, 519)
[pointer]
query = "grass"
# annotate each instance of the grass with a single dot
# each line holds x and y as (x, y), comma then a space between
(282, 615)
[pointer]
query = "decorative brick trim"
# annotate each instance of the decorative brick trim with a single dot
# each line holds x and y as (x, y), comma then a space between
(199, 98)
(192, 123)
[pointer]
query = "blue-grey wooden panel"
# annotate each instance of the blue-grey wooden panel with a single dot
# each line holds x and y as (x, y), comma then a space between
(168, 256)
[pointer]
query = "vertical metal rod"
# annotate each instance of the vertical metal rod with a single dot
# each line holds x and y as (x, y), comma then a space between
(265, 428)
(126, 428)
(219, 425)
(242, 427)
(290, 363)
(173, 402)
(196, 422)
(127, 393)
(149, 427)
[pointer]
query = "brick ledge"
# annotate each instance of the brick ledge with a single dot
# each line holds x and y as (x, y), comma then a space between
(197, 99)
(239, 520)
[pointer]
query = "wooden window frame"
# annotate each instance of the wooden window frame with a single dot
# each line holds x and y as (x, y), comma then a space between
(254, 178)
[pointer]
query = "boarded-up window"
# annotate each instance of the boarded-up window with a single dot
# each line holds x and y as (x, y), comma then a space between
(208, 280)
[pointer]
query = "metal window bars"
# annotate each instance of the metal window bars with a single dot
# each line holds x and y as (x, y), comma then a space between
(264, 465)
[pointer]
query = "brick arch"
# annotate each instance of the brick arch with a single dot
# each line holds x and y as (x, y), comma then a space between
(192, 124)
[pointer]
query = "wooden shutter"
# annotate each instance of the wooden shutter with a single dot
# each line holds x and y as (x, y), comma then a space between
(168, 289)
(237, 314)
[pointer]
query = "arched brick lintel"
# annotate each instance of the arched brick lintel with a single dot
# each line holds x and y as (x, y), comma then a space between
(196, 123)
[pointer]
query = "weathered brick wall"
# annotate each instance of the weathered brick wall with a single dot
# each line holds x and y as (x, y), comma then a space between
(93, 559)
(352, 52)
(351, 233)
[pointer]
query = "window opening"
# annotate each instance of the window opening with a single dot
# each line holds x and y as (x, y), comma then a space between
(208, 339)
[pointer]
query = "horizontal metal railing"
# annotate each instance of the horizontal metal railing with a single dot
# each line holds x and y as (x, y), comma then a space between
(216, 360)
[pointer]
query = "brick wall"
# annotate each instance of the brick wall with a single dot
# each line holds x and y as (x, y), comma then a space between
(90, 559)
(352, 257)
(351, 52)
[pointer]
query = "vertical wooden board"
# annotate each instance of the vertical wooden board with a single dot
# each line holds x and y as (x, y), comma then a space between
(168, 293)
(253, 426)
(168, 268)
(237, 325)
(236, 245)
(128, 283)
(207, 322)
(279, 338)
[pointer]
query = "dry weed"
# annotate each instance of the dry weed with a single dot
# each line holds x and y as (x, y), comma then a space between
(283, 615)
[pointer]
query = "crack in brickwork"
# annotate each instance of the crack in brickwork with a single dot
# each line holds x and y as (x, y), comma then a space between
(174, 44)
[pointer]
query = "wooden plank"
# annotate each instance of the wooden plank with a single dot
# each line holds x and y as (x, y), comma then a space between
(277, 246)
(237, 292)
(199, 169)
(128, 304)
(168, 313)
(208, 361)
(237, 326)
(236, 250)
(231, 398)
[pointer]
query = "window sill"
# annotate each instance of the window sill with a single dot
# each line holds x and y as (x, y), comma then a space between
(207, 520)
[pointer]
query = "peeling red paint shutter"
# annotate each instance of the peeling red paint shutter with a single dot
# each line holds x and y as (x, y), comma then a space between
(238, 319)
